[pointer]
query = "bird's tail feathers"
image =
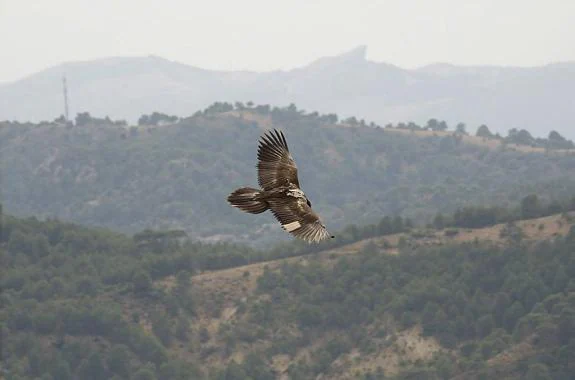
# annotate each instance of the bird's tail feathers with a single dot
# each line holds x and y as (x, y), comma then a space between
(244, 198)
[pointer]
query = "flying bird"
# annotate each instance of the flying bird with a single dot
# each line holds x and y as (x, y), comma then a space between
(280, 191)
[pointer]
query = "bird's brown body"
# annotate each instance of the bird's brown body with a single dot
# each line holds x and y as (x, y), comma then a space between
(280, 192)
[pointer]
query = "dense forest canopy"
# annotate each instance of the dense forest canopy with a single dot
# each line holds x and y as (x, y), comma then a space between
(89, 303)
(173, 172)
(489, 299)
(406, 290)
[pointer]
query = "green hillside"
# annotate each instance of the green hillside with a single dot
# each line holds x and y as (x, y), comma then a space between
(177, 176)
(433, 303)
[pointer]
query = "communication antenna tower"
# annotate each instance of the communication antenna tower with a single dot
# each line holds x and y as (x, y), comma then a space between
(65, 98)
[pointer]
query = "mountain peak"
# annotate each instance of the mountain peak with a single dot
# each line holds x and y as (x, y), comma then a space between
(354, 56)
(358, 53)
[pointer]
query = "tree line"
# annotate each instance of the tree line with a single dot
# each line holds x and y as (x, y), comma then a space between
(554, 139)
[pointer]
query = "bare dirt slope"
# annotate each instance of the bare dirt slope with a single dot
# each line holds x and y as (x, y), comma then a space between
(223, 290)
(235, 282)
(491, 143)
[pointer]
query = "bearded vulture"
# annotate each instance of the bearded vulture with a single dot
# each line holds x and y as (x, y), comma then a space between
(280, 192)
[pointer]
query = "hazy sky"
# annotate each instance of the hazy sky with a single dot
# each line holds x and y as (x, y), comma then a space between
(274, 34)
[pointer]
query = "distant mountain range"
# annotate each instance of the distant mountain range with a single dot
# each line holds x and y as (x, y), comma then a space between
(539, 99)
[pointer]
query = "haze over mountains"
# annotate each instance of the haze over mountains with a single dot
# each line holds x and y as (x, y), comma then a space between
(539, 99)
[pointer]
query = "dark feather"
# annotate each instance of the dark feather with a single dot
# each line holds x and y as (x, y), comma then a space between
(298, 218)
(276, 166)
(277, 177)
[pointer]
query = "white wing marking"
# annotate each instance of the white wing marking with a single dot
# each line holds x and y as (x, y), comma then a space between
(292, 226)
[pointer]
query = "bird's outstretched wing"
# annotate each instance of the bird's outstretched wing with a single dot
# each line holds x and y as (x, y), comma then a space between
(297, 218)
(276, 166)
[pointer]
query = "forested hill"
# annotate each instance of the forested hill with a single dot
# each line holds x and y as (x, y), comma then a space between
(178, 175)
(350, 84)
(424, 302)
